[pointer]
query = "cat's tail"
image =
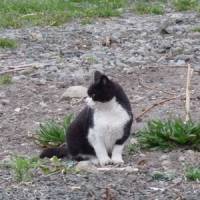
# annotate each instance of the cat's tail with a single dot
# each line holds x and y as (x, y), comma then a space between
(59, 152)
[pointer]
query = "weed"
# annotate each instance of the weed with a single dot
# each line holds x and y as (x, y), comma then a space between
(133, 148)
(20, 13)
(183, 5)
(7, 43)
(148, 8)
(52, 133)
(169, 134)
(161, 176)
(193, 174)
(196, 29)
(22, 167)
(5, 79)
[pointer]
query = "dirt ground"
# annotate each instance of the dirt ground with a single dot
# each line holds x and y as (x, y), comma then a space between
(34, 97)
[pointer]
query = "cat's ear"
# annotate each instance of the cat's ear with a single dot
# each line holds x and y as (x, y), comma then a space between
(97, 76)
(104, 80)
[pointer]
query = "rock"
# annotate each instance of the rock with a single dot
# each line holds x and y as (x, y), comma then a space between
(43, 105)
(5, 102)
(2, 95)
(86, 166)
(180, 62)
(36, 36)
(164, 157)
(181, 158)
(17, 109)
(166, 164)
(18, 78)
(74, 92)
(133, 141)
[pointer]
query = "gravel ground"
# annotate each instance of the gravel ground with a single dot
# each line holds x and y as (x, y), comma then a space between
(152, 49)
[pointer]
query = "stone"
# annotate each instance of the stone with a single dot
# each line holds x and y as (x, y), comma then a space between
(74, 92)
(5, 102)
(86, 166)
(164, 157)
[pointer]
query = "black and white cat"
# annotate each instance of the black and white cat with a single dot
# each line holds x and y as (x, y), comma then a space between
(101, 128)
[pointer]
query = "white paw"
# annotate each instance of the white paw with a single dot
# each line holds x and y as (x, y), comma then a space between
(105, 161)
(117, 161)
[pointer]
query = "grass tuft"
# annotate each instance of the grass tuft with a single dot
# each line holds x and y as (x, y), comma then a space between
(148, 8)
(193, 174)
(196, 29)
(21, 13)
(161, 176)
(22, 167)
(7, 43)
(184, 5)
(5, 79)
(170, 134)
(52, 133)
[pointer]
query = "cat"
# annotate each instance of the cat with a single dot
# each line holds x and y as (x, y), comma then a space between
(101, 129)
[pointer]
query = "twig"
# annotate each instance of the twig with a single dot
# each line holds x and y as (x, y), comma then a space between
(21, 68)
(151, 88)
(154, 105)
(187, 100)
(12, 70)
(108, 194)
(127, 169)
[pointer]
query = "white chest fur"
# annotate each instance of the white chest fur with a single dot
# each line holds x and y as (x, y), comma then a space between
(109, 121)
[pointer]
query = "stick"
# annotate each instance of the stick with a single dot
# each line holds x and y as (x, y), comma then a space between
(12, 70)
(21, 68)
(154, 105)
(128, 169)
(187, 99)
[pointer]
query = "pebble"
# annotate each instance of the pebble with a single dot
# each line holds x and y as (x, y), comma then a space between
(74, 92)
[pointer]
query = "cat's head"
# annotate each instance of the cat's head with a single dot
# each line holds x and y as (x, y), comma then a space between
(102, 89)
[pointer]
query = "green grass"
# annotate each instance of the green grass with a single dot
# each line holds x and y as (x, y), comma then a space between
(196, 29)
(170, 134)
(161, 176)
(184, 5)
(52, 133)
(21, 13)
(133, 148)
(146, 7)
(7, 43)
(5, 79)
(193, 174)
(24, 168)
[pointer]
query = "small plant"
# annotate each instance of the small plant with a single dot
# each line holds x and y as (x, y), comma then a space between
(22, 167)
(52, 133)
(7, 43)
(196, 29)
(55, 165)
(132, 148)
(21, 13)
(193, 174)
(148, 8)
(169, 134)
(5, 79)
(161, 176)
(183, 5)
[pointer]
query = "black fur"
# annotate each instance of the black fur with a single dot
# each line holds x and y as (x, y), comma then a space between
(102, 90)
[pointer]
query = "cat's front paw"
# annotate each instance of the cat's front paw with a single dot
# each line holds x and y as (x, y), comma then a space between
(105, 161)
(117, 161)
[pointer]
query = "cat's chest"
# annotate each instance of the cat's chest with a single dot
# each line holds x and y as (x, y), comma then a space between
(110, 120)
(109, 124)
